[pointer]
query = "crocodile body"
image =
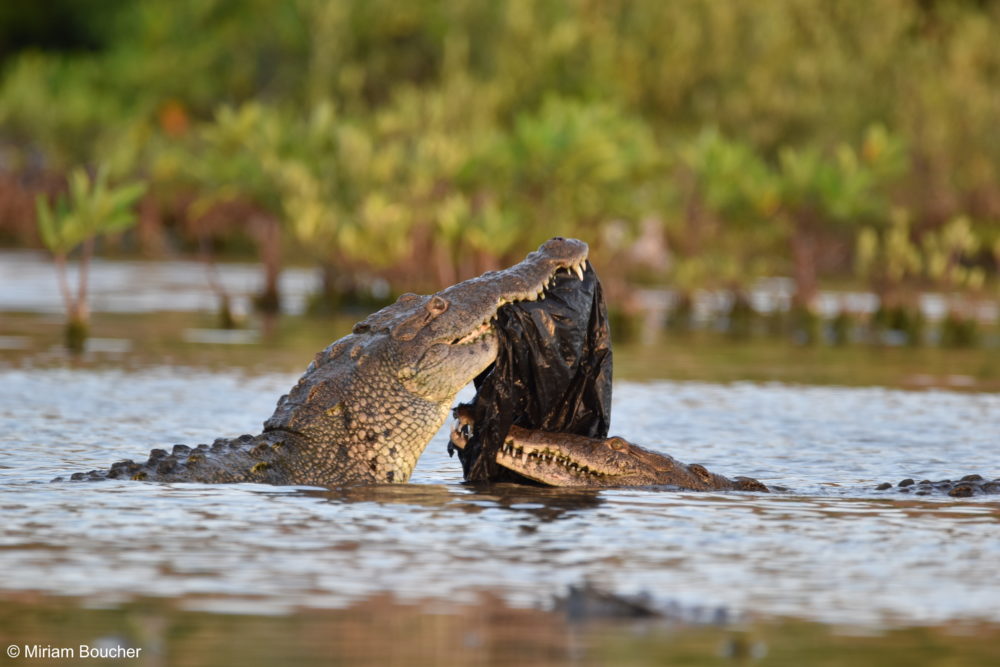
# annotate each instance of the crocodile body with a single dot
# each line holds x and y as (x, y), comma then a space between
(366, 407)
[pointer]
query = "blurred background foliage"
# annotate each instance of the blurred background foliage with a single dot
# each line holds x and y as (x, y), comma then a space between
(419, 143)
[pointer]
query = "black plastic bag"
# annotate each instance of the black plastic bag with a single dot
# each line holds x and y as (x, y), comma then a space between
(553, 373)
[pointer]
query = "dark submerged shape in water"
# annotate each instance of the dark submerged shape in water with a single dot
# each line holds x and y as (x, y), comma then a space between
(367, 406)
(970, 485)
(564, 459)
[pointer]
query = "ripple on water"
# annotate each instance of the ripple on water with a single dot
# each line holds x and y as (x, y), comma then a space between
(831, 553)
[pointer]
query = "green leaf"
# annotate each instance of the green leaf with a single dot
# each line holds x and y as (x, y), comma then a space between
(46, 224)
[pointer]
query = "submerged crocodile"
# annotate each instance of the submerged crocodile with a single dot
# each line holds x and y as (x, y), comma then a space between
(564, 459)
(366, 407)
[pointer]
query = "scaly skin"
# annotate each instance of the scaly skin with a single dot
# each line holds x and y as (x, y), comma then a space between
(367, 406)
(563, 459)
(969, 485)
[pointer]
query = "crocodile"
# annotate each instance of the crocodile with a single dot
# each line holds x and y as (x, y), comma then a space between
(566, 459)
(368, 404)
(526, 425)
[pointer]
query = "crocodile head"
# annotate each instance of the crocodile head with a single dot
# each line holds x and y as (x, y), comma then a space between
(564, 459)
(370, 402)
(442, 341)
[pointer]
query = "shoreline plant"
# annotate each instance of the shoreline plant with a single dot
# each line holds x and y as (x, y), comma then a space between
(92, 208)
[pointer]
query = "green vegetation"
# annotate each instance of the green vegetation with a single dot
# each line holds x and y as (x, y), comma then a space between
(93, 208)
(420, 143)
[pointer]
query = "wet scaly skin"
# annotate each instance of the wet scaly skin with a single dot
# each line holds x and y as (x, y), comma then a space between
(367, 406)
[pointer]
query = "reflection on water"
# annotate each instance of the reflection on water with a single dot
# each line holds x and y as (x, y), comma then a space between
(384, 630)
(832, 551)
(28, 284)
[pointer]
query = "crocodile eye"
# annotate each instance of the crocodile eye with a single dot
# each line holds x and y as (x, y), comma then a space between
(617, 444)
(437, 305)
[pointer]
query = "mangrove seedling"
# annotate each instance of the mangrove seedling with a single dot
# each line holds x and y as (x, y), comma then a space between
(92, 208)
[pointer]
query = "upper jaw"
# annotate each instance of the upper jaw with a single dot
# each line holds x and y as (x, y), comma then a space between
(539, 461)
(479, 300)
(534, 292)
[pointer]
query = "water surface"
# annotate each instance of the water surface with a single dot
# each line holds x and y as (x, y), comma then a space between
(832, 550)
(249, 574)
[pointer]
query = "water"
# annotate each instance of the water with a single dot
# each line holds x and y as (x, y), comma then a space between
(28, 284)
(831, 551)
(247, 574)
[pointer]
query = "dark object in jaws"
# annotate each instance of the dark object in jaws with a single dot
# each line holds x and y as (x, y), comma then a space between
(552, 373)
